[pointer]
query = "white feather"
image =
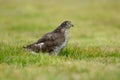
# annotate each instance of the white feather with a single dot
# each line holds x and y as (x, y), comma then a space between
(41, 44)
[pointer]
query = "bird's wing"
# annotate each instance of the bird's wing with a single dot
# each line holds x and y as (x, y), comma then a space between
(47, 37)
(51, 39)
(47, 42)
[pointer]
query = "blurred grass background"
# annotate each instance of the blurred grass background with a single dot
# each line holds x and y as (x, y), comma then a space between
(93, 50)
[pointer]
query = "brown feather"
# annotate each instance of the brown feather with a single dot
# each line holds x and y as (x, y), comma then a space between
(51, 42)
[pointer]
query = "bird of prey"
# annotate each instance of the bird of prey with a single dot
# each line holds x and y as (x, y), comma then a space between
(52, 42)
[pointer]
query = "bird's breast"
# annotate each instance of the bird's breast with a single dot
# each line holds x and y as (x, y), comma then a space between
(63, 44)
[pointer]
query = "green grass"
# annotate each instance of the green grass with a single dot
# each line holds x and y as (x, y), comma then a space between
(93, 51)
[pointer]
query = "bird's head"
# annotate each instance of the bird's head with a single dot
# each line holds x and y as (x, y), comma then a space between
(66, 24)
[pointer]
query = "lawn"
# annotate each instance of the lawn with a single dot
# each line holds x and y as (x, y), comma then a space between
(92, 53)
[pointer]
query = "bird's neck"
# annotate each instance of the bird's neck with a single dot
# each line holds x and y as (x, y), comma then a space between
(62, 30)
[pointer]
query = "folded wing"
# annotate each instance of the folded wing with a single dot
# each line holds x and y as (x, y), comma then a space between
(47, 43)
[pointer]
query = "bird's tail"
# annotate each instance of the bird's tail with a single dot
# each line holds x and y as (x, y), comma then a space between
(28, 46)
(32, 47)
